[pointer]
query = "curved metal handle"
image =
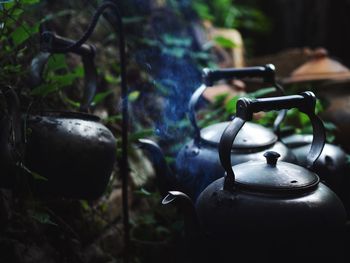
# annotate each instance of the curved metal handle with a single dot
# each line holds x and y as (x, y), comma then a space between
(49, 43)
(305, 102)
(267, 73)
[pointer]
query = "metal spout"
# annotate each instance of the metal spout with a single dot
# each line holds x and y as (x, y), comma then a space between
(184, 202)
(165, 178)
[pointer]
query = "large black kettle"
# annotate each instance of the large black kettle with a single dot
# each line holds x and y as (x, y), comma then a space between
(73, 152)
(197, 163)
(266, 211)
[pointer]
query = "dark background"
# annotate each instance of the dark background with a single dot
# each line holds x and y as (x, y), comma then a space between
(310, 23)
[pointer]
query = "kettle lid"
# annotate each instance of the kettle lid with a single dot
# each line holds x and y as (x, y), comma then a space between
(318, 68)
(273, 176)
(297, 140)
(249, 137)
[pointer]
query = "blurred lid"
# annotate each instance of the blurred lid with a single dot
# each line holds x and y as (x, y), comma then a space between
(251, 136)
(319, 67)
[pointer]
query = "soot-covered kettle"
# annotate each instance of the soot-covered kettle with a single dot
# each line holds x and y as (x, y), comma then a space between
(331, 166)
(197, 163)
(266, 211)
(73, 151)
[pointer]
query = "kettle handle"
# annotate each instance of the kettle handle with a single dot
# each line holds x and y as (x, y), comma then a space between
(305, 102)
(267, 73)
(49, 43)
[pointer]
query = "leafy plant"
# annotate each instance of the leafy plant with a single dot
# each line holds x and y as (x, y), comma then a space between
(57, 76)
(159, 223)
(226, 13)
(15, 35)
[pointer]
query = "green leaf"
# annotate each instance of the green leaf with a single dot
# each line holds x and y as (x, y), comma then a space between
(149, 42)
(8, 4)
(42, 218)
(56, 82)
(176, 41)
(143, 192)
(224, 42)
(261, 92)
(231, 105)
(35, 175)
(202, 10)
(175, 51)
(329, 126)
(112, 79)
(85, 205)
(30, 1)
(133, 19)
(134, 95)
(73, 103)
(56, 62)
(220, 99)
(101, 96)
(23, 32)
(17, 13)
(113, 118)
(330, 137)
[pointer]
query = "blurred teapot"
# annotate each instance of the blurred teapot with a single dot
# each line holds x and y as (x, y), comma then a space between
(331, 166)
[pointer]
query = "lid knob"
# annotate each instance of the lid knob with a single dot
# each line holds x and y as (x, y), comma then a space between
(320, 53)
(271, 157)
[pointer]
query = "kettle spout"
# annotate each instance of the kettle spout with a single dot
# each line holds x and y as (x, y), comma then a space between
(164, 176)
(185, 203)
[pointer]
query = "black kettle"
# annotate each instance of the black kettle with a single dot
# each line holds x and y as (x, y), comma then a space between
(197, 163)
(332, 165)
(73, 152)
(266, 211)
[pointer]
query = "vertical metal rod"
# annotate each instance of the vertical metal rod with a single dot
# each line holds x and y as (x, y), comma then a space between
(124, 165)
(124, 160)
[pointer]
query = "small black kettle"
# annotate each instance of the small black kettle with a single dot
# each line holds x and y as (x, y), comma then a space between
(330, 166)
(73, 151)
(266, 211)
(197, 163)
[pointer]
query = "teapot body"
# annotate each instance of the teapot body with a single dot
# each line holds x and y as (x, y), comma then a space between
(268, 227)
(229, 213)
(73, 151)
